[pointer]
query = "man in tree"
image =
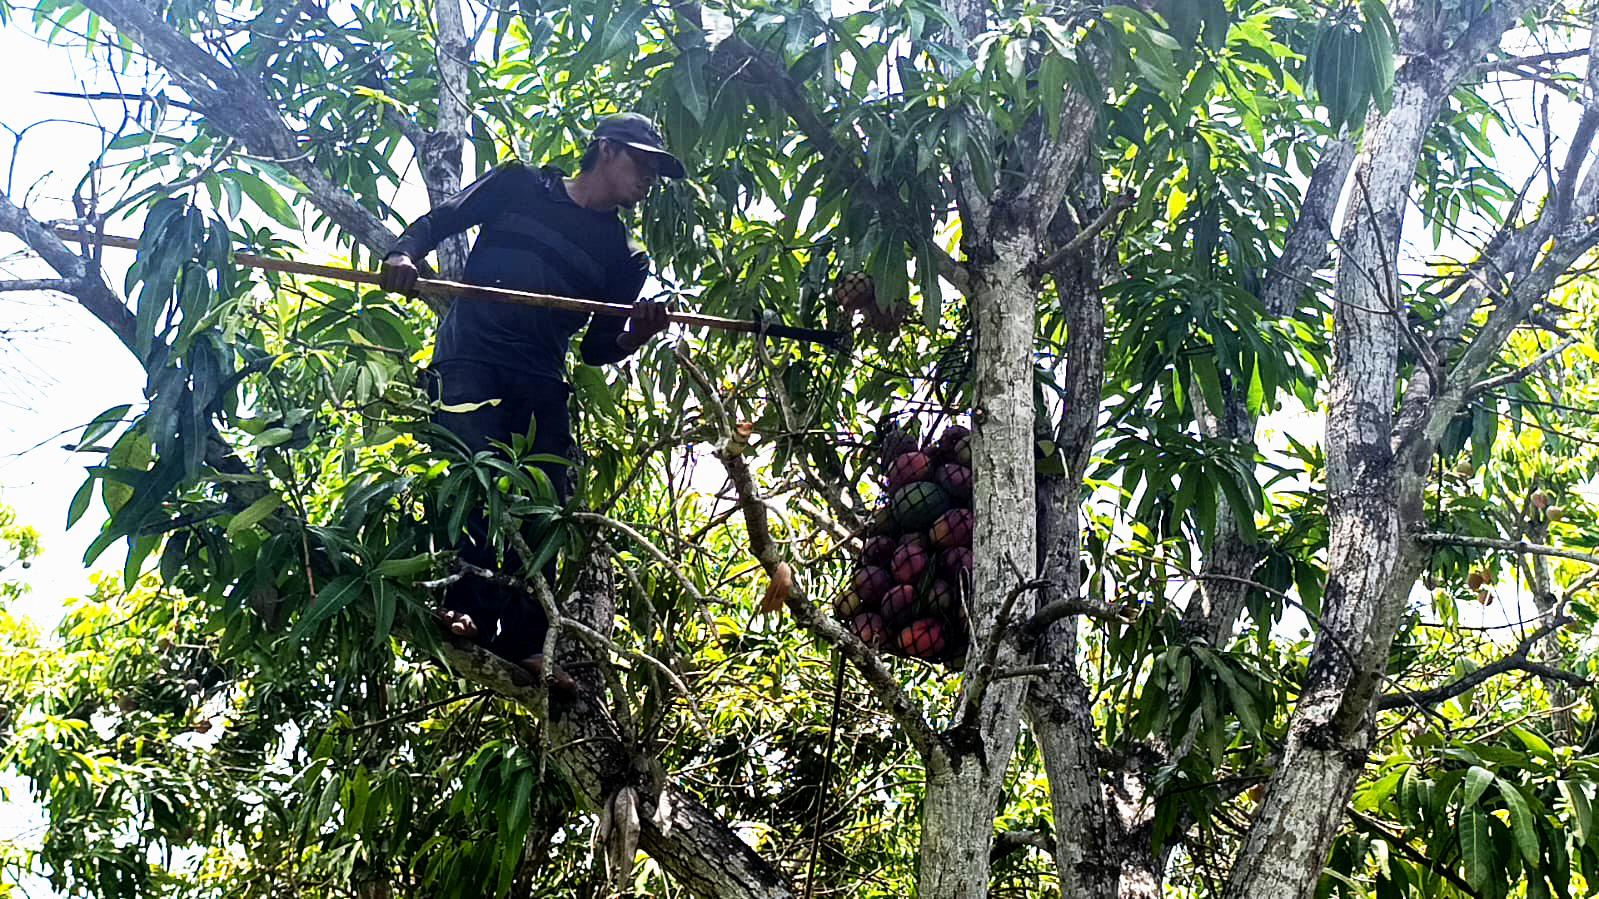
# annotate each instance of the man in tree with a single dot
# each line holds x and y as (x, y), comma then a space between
(544, 232)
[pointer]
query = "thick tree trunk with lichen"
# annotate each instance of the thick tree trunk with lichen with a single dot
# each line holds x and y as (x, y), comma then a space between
(1059, 708)
(1060, 712)
(964, 783)
(1330, 732)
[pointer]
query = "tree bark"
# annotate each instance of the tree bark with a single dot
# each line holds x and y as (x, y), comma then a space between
(1060, 711)
(1231, 559)
(964, 784)
(88, 286)
(439, 153)
(1330, 730)
(1059, 708)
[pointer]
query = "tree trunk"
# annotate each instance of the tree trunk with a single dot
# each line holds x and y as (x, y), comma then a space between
(1374, 498)
(439, 152)
(1231, 559)
(1059, 708)
(1329, 735)
(964, 783)
(1060, 712)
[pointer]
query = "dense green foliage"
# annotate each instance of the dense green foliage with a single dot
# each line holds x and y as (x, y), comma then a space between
(254, 707)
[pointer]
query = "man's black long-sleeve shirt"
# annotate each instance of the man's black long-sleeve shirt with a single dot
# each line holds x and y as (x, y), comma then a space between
(533, 237)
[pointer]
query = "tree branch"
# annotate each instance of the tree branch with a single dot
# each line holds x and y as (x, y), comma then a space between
(655, 552)
(1425, 412)
(766, 551)
(1517, 661)
(1059, 159)
(1013, 841)
(1061, 608)
(1514, 546)
(89, 287)
(1059, 708)
(1308, 245)
(59, 285)
(1582, 138)
(240, 108)
(983, 674)
(1083, 238)
(441, 148)
(1524, 371)
(1511, 62)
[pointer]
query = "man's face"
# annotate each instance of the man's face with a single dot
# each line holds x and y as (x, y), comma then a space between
(633, 173)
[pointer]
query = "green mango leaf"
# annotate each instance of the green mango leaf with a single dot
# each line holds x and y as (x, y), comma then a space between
(1581, 808)
(688, 75)
(80, 501)
(264, 196)
(1478, 779)
(406, 567)
(1477, 848)
(1523, 826)
(254, 514)
(329, 601)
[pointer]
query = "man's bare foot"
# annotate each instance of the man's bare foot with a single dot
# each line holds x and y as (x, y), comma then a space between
(458, 624)
(534, 665)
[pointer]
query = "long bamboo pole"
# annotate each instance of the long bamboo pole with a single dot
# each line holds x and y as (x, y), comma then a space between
(437, 287)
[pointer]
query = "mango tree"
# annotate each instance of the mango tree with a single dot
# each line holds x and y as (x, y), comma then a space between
(1115, 239)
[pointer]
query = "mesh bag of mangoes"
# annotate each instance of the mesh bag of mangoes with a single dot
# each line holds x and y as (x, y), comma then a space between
(908, 593)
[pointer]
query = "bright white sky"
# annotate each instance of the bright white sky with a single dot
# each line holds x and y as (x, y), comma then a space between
(59, 368)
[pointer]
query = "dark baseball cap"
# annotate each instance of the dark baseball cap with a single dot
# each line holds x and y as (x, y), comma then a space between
(640, 133)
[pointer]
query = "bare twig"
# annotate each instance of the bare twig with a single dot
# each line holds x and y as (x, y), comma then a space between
(1517, 660)
(1083, 238)
(1524, 371)
(654, 551)
(423, 709)
(1514, 546)
(118, 95)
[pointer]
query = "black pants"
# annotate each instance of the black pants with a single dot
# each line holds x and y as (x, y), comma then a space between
(509, 622)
